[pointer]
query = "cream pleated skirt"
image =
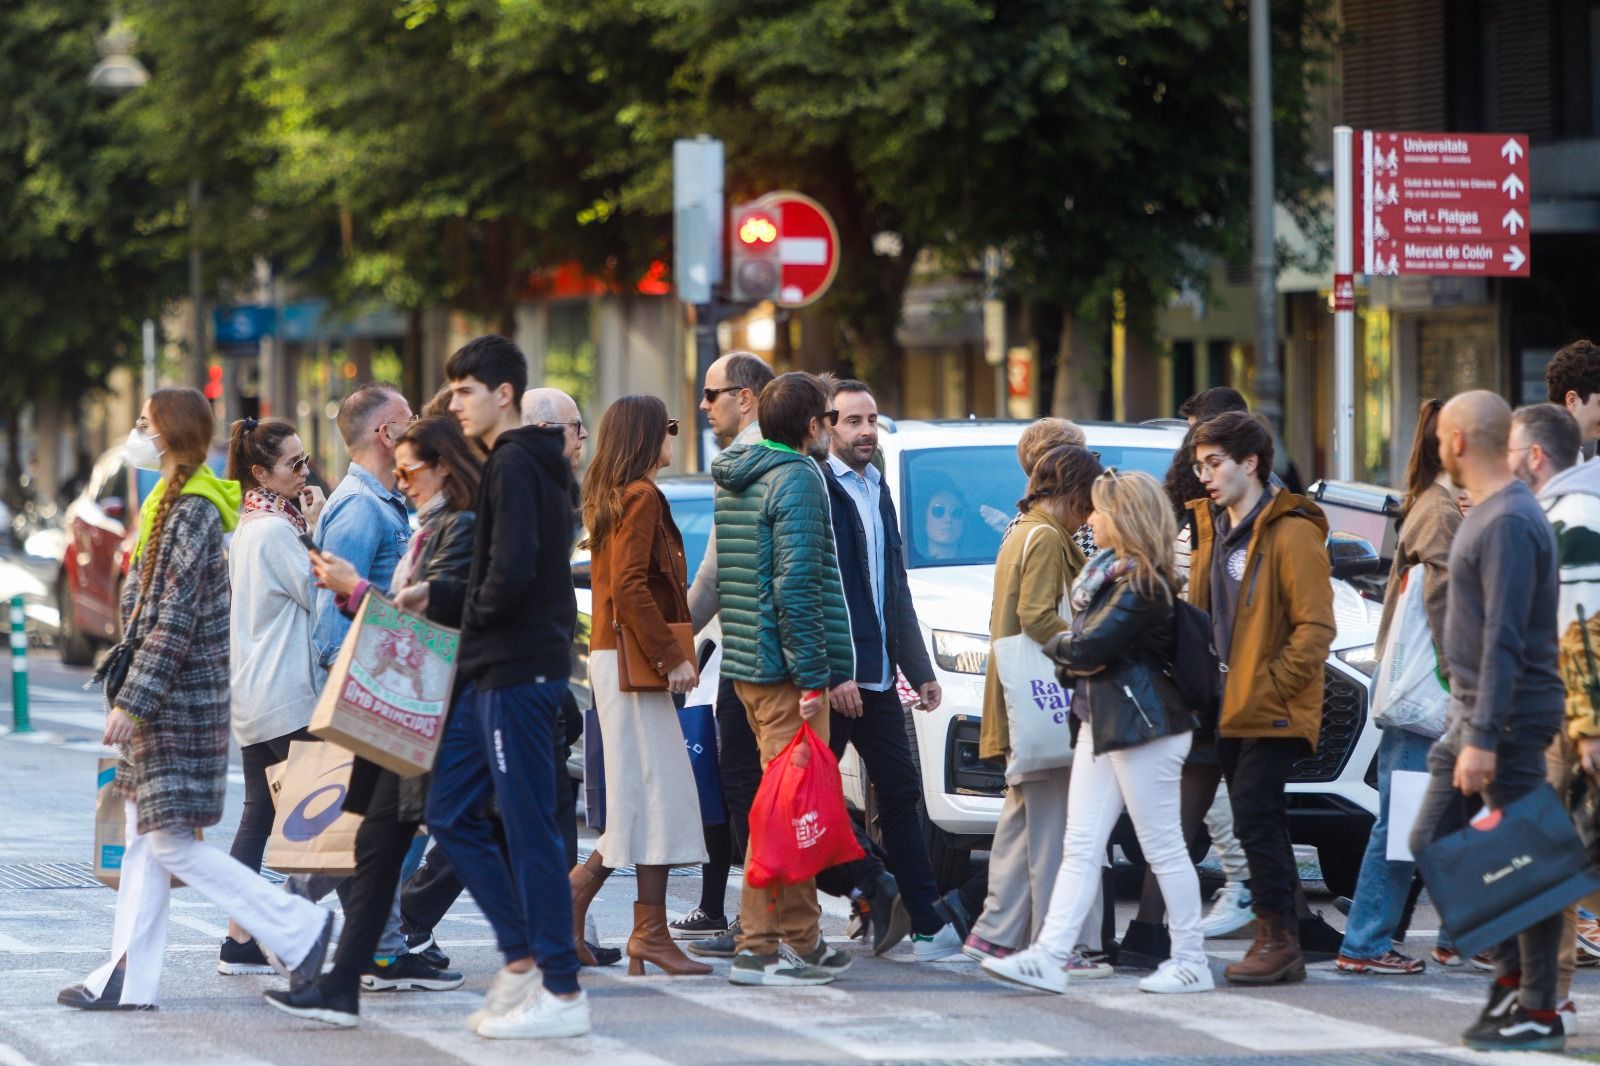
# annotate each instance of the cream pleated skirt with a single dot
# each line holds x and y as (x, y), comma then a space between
(652, 808)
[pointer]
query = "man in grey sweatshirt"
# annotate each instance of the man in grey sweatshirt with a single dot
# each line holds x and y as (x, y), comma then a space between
(1506, 693)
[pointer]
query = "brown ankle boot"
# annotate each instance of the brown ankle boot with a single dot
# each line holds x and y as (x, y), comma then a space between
(652, 942)
(1274, 957)
(585, 886)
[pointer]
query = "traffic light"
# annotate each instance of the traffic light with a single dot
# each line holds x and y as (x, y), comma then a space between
(754, 273)
(213, 389)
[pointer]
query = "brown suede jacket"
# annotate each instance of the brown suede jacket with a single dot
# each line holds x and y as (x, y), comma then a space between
(640, 577)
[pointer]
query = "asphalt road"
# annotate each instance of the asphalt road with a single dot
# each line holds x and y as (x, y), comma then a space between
(885, 1010)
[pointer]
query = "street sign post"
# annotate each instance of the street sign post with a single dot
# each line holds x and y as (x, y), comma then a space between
(1444, 203)
(808, 247)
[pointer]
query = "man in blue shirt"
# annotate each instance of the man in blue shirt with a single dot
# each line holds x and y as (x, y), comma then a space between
(365, 519)
(866, 709)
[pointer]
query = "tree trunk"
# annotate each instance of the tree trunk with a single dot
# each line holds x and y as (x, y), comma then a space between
(1083, 371)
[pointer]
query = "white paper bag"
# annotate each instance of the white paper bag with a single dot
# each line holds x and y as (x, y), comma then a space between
(1406, 789)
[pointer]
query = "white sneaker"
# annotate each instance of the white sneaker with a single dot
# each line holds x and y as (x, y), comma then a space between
(544, 1017)
(941, 945)
(507, 992)
(1174, 977)
(590, 932)
(1231, 912)
(1032, 967)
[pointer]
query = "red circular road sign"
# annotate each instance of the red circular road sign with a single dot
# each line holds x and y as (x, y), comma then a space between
(808, 247)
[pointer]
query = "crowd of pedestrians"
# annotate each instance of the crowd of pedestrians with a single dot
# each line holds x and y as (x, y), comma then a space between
(1184, 623)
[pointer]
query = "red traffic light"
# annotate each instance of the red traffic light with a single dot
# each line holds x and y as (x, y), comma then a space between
(757, 230)
(213, 389)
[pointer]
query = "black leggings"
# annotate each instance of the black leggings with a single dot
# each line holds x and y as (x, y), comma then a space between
(255, 821)
(1197, 789)
(714, 871)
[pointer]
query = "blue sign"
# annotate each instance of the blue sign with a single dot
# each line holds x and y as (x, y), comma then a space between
(245, 324)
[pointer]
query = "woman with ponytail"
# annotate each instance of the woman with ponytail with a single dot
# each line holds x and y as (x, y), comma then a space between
(275, 674)
(170, 717)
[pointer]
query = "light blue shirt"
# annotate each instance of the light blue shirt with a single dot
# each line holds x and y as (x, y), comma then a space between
(864, 491)
(365, 524)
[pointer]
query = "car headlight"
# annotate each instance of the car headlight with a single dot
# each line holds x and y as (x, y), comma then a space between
(961, 653)
(1363, 658)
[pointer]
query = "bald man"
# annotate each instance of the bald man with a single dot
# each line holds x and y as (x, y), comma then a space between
(552, 407)
(1506, 696)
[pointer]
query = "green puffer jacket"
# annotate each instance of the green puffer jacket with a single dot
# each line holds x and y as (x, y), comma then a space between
(784, 616)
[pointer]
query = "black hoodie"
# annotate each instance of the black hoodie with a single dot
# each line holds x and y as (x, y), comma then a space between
(517, 607)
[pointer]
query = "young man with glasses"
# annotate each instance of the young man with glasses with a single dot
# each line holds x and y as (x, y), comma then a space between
(1260, 566)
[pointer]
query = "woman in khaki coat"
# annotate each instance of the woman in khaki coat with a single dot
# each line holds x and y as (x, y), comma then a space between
(640, 583)
(1030, 586)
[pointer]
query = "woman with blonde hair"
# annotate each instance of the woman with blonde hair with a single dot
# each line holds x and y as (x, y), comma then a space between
(1133, 733)
(640, 580)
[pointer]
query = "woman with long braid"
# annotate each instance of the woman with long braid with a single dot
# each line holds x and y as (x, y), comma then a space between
(170, 717)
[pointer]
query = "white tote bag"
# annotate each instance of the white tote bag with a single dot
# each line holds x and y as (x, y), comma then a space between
(1037, 705)
(1409, 692)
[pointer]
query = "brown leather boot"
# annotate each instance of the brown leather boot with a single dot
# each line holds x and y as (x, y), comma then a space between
(585, 886)
(652, 942)
(1274, 957)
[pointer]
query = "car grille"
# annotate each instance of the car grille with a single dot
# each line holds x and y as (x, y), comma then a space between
(1344, 714)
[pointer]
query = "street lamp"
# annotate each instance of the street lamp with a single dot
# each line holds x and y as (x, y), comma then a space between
(119, 72)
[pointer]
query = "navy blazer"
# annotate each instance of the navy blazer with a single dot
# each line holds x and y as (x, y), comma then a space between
(904, 642)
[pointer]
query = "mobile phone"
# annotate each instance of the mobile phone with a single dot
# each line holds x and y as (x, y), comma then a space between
(311, 545)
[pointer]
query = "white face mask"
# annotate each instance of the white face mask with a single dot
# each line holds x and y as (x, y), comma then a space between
(140, 450)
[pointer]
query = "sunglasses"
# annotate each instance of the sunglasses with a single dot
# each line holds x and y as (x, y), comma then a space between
(939, 510)
(402, 473)
(832, 416)
(712, 394)
(672, 427)
(300, 465)
(394, 422)
(1109, 473)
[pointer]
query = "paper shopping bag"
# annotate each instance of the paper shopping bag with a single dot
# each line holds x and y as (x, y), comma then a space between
(312, 833)
(111, 827)
(389, 690)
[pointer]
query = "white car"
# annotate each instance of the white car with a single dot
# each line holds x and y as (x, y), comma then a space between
(955, 485)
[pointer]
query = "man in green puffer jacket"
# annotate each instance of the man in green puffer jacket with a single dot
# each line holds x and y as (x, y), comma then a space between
(785, 639)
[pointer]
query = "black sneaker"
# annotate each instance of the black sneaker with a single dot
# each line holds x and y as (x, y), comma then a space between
(1502, 1003)
(1145, 946)
(697, 925)
(409, 973)
(887, 919)
(110, 997)
(725, 946)
(319, 1004)
(425, 947)
(236, 959)
(603, 956)
(950, 909)
(1319, 941)
(1517, 1032)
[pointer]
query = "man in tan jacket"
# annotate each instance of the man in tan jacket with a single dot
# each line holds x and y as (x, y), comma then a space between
(1260, 567)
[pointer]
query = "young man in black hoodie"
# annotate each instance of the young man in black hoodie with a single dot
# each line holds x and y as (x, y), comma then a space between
(518, 614)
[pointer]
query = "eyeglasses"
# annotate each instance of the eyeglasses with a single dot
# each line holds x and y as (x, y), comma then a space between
(1211, 465)
(576, 423)
(394, 422)
(402, 472)
(1109, 473)
(672, 427)
(712, 394)
(939, 510)
(832, 417)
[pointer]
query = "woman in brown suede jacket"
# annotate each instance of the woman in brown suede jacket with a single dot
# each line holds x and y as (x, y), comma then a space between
(640, 582)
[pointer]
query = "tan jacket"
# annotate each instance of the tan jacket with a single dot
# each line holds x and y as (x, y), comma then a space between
(1284, 625)
(1425, 538)
(1027, 599)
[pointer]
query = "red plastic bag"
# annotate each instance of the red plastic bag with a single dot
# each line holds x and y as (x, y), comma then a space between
(798, 823)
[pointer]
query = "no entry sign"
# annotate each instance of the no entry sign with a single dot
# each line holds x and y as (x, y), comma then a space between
(1442, 203)
(808, 247)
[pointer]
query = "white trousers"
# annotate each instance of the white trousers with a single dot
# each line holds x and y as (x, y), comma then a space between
(1146, 780)
(284, 924)
(1219, 824)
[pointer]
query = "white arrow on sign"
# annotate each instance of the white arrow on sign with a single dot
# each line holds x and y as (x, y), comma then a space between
(1512, 220)
(1515, 258)
(1512, 186)
(1511, 150)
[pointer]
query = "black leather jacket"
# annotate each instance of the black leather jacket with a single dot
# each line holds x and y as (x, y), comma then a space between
(1131, 701)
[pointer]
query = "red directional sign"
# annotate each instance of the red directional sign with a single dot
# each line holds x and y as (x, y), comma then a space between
(1442, 203)
(808, 247)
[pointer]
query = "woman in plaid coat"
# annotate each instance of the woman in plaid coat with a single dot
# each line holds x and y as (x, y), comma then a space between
(171, 719)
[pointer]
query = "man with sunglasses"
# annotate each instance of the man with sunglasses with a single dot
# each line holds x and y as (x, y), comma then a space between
(1261, 568)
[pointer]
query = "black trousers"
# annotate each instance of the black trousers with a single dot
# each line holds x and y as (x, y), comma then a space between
(739, 760)
(255, 821)
(382, 842)
(1256, 769)
(879, 737)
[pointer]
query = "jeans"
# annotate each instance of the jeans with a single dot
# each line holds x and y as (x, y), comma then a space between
(1147, 781)
(879, 737)
(739, 761)
(501, 742)
(1519, 769)
(1382, 887)
(1256, 769)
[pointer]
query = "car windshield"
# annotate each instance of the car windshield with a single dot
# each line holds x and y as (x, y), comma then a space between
(956, 502)
(693, 516)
